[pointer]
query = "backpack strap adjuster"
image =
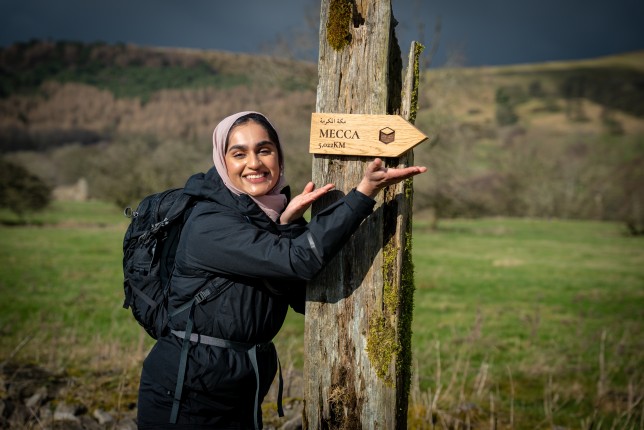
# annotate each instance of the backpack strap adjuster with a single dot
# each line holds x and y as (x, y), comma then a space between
(202, 295)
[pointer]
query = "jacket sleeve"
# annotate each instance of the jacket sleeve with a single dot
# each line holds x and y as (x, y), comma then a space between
(226, 243)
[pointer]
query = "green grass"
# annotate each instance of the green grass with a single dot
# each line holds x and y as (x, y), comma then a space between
(61, 301)
(531, 300)
(538, 321)
(61, 275)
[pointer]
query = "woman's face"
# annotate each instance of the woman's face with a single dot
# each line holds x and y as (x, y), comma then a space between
(252, 160)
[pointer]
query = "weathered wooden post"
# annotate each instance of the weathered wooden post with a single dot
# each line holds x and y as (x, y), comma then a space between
(359, 309)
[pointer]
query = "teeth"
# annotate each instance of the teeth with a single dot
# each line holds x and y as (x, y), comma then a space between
(254, 176)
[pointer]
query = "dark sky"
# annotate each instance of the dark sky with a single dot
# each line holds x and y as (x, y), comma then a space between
(473, 32)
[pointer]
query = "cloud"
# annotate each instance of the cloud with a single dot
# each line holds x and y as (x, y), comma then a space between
(485, 32)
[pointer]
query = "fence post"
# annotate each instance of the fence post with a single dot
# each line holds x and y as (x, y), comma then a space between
(357, 367)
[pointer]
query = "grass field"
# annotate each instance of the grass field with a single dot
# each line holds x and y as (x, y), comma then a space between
(518, 323)
(540, 321)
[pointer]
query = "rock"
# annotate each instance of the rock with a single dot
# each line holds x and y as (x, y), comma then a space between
(126, 424)
(66, 425)
(78, 192)
(65, 412)
(37, 398)
(103, 417)
(45, 414)
(88, 423)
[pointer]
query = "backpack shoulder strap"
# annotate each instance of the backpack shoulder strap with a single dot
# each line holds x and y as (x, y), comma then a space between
(177, 210)
(179, 206)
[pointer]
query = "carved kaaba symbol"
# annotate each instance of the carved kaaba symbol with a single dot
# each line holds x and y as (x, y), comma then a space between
(387, 135)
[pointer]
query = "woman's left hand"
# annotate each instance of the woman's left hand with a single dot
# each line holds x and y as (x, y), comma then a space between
(377, 177)
(300, 203)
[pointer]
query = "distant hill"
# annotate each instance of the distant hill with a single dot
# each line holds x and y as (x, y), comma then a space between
(496, 131)
(559, 139)
(56, 93)
(133, 71)
(615, 83)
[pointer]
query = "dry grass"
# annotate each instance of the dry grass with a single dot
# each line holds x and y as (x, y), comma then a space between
(485, 397)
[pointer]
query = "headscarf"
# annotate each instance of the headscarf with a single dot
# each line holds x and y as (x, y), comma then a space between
(273, 202)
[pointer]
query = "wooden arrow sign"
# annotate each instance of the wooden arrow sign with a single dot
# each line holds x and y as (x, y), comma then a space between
(365, 135)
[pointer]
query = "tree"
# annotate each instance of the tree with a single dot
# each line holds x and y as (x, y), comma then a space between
(20, 190)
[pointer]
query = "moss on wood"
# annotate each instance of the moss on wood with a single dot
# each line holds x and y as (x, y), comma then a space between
(339, 23)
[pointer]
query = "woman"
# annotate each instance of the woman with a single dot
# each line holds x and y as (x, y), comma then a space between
(249, 252)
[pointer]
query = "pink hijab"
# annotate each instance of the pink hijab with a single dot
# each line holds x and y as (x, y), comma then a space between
(272, 203)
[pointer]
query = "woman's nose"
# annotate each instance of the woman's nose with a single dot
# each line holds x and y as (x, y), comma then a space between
(253, 161)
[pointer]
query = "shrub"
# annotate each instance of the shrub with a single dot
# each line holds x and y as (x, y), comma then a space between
(631, 204)
(20, 190)
(505, 103)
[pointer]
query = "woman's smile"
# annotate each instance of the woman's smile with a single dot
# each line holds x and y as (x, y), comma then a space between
(256, 178)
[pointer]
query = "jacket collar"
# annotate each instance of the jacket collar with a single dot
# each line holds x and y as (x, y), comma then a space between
(209, 186)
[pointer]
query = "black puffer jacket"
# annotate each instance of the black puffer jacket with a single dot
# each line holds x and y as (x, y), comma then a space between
(257, 269)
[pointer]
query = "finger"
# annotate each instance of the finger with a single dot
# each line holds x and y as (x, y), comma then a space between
(375, 165)
(418, 170)
(328, 187)
(413, 170)
(308, 188)
(320, 192)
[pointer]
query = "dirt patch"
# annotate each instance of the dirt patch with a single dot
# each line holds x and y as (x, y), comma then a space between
(34, 398)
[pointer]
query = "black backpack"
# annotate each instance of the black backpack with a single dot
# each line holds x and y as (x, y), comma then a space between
(149, 249)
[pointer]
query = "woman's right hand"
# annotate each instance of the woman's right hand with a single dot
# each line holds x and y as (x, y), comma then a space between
(300, 203)
(377, 177)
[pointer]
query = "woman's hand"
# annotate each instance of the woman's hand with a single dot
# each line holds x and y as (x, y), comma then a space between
(378, 177)
(300, 203)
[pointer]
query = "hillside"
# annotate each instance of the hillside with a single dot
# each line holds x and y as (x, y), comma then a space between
(547, 140)
(141, 115)
(555, 139)
(57, 93)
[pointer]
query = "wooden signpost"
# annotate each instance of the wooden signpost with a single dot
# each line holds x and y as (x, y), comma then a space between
(364, 135)
(357, 352)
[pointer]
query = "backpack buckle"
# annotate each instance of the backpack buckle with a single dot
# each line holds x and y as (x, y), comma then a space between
(161, 224)
(202, 295)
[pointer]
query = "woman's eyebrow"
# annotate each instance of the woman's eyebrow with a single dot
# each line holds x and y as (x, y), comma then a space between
(265, 142)
(237, 147)
(244, 147)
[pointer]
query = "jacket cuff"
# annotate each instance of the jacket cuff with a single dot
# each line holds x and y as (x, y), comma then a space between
(359, 202)
(292, 229)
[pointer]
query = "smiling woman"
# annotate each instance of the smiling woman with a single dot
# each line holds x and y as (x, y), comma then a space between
(249, 248)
